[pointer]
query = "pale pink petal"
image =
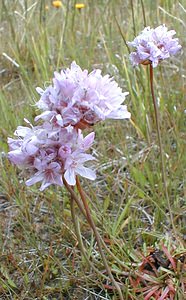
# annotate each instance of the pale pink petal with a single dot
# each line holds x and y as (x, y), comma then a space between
(34, 179)
(86, 172)
(70, 176)
(120, 113)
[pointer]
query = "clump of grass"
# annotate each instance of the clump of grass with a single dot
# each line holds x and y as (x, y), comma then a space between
(39, 249)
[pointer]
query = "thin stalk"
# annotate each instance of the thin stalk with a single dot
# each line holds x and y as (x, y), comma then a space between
(97, 237)
(74, 196)
(121, 263)
(114, 257)
(122, 34)
(160, 146)
(133, 18)
(143, 11)
(79, 238)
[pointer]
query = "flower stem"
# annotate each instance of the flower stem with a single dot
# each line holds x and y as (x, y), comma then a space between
(79, 238)
(160, 146)
(74, 196)
(121, 263)
(97, 237)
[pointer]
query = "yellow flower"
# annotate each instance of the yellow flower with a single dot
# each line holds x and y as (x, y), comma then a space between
(57, 4)
(47, 7)
(79, 5)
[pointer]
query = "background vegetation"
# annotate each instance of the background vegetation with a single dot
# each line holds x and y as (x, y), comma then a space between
(39, 255)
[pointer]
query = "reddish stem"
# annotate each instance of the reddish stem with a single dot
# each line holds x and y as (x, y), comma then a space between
(93, 226)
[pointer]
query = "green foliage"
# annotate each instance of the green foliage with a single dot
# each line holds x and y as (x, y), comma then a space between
(39, 252)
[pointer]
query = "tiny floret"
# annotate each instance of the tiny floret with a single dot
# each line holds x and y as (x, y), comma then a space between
(153, 46)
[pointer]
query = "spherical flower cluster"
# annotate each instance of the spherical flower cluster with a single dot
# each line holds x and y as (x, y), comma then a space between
(46, 153)
(153, 46)
(81, 99)
(57, 148)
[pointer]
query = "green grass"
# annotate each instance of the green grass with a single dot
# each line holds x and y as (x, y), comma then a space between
(39, 255)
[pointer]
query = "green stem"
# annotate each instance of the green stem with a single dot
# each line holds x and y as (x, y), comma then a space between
(160, 146)
(143, 11)
(97, 237)
(133, 18)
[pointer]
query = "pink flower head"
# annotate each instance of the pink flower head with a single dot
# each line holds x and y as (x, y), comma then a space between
(81, 99)
(46, 154)
(154, 45)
